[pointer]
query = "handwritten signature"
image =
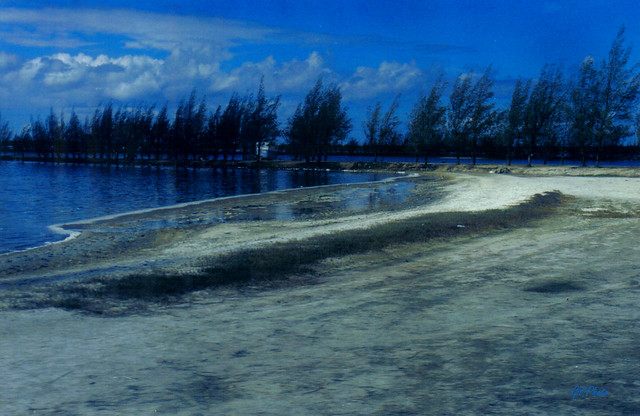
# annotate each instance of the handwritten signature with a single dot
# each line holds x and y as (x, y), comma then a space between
(584, 392)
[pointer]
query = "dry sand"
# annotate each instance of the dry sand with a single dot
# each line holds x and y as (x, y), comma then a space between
(508, 323)
(467, 193)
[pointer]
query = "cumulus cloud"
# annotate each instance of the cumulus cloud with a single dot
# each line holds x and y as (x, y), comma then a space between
(81, 79)
(134, 56)
(285, 77)
(70, 80)
(389, 77)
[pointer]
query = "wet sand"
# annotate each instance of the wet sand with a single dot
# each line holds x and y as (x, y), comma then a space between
(508, 323)
(177, 238)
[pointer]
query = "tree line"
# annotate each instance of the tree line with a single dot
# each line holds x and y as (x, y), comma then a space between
(587, 114)
(127, 133)
(241, 128)
(551, 116)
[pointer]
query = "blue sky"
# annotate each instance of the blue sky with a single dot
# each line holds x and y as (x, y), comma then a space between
(79, 54)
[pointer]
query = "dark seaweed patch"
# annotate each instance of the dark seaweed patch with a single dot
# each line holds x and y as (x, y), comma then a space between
(554, 287)
(277, 263)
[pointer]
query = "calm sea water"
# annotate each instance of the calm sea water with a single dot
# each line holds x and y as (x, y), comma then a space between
(468, 160)
(36, 195)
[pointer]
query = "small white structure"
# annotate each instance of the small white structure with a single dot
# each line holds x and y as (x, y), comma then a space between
(266, 151)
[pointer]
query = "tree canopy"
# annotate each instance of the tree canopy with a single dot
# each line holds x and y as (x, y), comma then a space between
(318, 123)
(586, 115)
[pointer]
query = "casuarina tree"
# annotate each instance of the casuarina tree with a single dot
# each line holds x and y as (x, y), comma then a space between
(318, 123)
(427, 123)
(470, 112)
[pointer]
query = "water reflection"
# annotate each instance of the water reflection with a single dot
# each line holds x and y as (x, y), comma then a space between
(36, 195)
(320, 203)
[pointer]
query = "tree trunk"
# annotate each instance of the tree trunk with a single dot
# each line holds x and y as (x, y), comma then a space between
(473, 153)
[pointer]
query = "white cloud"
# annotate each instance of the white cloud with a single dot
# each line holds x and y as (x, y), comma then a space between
(79, 79)
(139, 30)
(293, 76)
(64, 80)
(195, 52)
(389, 77)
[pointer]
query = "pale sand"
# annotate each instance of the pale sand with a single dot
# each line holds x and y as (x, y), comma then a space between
(186, 248)
(453, 328)
(469, 192)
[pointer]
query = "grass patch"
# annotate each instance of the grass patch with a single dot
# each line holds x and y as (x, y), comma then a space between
(275, 263)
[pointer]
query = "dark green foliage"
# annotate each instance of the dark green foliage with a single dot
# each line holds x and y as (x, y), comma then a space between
(130, 132)
(160, 133)
(513, 131)
(381, 130)
(74, 136)
(580, 109)
(547, 116)
(260, 122)
(40, 139)
(188, 128)
(371, 128)
(619, 89)
(5, 135)
(105, 131)
(603, 99)
(470, 112)
(23, 142)
(230, 124)
(55, 134)
(543, 109)
(427, 123)
(318, 123)
(211, 143)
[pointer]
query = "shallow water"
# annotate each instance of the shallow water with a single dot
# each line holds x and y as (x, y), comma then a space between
(506, 324)
(323, 202)
(34, 196)
(178, 238)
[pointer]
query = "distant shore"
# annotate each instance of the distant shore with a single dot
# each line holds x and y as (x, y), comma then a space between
(500, 168)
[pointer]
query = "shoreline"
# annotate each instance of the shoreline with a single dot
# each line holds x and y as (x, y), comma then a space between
(62, 231)
(180, 237)
(402, 169)
(186, 246)
(185, 222)
(70, 229)
(464, 319)
(360, 166)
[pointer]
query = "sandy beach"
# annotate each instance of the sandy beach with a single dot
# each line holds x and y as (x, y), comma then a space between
(504, 321)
